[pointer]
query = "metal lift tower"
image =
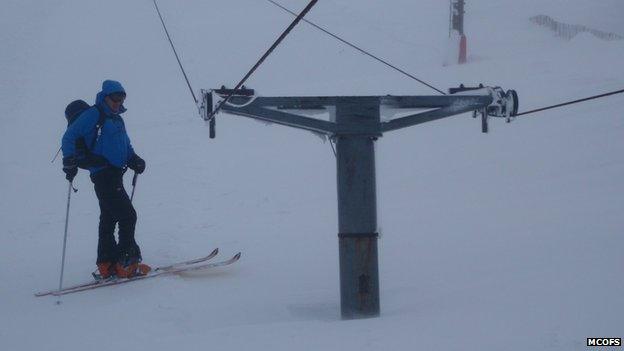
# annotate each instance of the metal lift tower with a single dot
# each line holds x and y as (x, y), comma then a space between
(355, 124)
(456, 24)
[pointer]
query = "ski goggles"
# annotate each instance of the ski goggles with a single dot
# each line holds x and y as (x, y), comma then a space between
(117, 97)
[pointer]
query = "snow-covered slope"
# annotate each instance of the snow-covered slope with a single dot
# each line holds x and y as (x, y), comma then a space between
(510, 240)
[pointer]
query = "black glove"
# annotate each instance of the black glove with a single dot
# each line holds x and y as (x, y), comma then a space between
(70, 167)
(94, 160)
(136, 164)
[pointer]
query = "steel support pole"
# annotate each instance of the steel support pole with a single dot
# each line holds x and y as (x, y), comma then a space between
(357, 214)
(356, 127)
(457, 20)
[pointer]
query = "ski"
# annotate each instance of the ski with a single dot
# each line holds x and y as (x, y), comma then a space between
(214, 252)
(181, 269)
(189, 262)
(160, 269)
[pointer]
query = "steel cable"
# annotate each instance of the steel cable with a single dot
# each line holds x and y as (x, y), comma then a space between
(571, 102)
(359, 49)
(174, 51)
(266, 54)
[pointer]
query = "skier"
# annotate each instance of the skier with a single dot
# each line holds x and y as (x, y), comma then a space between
(102, 128)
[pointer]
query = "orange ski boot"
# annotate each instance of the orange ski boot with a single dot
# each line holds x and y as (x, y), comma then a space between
(106, 270)
(132, 269)
(143, 269)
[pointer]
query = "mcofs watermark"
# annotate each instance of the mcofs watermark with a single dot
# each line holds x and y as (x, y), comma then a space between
(604, 341)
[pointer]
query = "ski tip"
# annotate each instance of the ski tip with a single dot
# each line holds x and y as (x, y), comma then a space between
(46, 293)
(214, 252)
(237, 256)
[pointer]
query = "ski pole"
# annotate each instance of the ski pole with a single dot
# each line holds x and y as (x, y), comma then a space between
(69, 191)
(55, 156)
(134, 180)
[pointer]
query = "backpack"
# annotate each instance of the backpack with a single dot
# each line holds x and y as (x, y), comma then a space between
(86, 159)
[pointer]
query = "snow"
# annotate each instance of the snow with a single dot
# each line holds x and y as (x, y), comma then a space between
(510, 240)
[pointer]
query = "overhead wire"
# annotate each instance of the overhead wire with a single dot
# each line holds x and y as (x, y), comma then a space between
(359, 49)
(571, 102)
(266, 54)
(175, 52)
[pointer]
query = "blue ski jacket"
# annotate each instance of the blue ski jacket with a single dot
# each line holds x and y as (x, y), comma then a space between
(113, 142)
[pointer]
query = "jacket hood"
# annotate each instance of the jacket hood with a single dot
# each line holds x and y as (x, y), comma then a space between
(109, 87)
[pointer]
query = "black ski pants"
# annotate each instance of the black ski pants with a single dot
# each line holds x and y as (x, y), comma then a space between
(115, 209)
